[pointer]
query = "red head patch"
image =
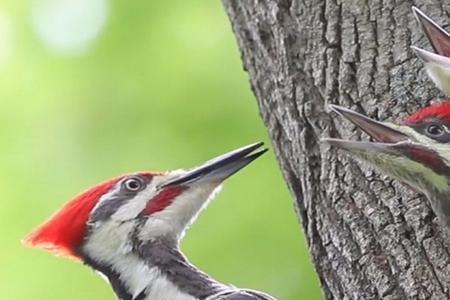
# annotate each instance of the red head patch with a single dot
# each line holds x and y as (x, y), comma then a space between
(439, 110)
(65, 230)
(162, 199)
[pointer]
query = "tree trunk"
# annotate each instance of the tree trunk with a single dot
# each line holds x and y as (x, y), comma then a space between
(369, 236)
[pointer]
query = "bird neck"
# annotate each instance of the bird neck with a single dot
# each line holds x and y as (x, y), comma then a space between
(154, 270)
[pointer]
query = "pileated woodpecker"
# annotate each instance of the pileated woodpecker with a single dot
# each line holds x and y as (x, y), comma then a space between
(416, 151)
(128, 229)
(437, 64)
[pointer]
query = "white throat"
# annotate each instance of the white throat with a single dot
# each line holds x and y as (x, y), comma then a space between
(175, 219)
(138, 277)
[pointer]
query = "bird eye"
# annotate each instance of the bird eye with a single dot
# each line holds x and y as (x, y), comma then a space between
(435, 130)
(133, 184)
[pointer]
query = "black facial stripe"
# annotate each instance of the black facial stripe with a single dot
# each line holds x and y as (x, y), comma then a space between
(113, 277)
(141, 295)
(107, 208)
(423, 126)
(165, 255)
(241, 294)
(121, 197)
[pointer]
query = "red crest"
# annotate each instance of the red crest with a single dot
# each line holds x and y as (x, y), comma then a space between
(439, 110)
(63, 232)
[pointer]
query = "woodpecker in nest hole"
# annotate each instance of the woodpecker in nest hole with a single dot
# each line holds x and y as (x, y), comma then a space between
(416, 150)
(437, 63)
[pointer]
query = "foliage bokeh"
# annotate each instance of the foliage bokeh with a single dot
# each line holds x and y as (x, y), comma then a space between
(160, 87)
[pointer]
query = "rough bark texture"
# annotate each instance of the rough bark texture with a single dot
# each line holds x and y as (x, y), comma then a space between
(369, 236)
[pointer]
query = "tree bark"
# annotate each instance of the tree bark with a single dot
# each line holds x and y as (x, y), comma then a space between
(369, 236)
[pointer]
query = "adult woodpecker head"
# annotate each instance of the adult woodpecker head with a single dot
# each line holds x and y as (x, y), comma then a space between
(416, 151)
(437, 64)
(128, 228)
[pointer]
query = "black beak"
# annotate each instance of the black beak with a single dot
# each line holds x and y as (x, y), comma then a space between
(389, 144)
(381, 132)
(221, 167)
(438, 37)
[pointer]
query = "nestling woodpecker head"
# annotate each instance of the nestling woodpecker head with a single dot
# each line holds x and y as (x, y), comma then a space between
(437, 64)
(107, 220)
(416, 151)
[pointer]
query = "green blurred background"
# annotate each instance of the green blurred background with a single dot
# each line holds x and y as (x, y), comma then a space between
(94, 88)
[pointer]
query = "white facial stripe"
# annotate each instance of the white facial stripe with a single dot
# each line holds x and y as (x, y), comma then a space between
(420, 138)
(109, 245)
(134, 273)
(109, 239)
(446, 129)
(135, 205)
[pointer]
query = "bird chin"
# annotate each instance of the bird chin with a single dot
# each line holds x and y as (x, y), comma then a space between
(406, 161)
(173, 221)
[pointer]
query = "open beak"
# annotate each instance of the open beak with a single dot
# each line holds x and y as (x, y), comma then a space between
(389, 139)
(438, 37)
(381, 132)
(438, 63)
(221, 167)
(438, 68)
(432, 58)
(396, 152)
